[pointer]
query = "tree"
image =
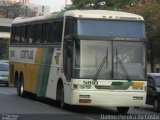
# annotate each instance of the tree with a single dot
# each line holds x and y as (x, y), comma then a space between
(104, 4)
(99, 4)
(150, 10)
(13, 10)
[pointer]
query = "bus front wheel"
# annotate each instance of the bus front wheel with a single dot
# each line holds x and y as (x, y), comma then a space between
(122, 110)
(62, 103)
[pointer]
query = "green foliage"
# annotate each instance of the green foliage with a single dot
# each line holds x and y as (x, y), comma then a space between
(150, 10)
(99, 4)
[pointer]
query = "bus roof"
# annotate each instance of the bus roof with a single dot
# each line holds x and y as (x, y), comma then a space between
(103, 14)
(92, 14)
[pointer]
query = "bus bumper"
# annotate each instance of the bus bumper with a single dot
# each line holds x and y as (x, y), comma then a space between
(105, 98)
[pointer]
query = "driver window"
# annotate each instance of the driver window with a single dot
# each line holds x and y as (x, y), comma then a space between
(68, 62)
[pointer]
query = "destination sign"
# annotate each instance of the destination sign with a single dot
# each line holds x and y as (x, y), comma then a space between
(126, 39)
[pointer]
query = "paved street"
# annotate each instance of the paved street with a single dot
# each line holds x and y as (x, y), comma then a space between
(26, 108)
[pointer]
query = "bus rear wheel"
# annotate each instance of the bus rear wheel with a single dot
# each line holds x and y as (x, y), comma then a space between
(122, 110)
(20, 87)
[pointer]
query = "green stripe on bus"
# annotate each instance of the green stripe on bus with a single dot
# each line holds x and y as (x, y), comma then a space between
(117, 83)
(44, 71)
(127, 83)
(122, 83)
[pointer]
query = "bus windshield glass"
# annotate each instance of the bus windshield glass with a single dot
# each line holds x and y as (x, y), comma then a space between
(88, 58)
(127, 56)
(110, 28)
(128, 60)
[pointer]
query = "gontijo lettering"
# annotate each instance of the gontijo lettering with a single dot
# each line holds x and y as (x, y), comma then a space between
(26, 54)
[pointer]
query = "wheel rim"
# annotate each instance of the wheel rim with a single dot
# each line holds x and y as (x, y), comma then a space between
(21, 88)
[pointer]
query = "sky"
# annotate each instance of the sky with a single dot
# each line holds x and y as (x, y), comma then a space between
(55, 5)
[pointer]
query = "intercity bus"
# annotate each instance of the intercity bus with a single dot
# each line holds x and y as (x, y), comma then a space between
(81, 57)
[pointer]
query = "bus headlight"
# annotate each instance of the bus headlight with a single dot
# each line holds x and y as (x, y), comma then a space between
(84, 86)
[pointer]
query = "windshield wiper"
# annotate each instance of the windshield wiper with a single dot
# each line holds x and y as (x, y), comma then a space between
(105, 59)
(122, 66)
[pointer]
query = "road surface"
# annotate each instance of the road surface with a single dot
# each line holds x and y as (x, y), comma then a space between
(13, 107)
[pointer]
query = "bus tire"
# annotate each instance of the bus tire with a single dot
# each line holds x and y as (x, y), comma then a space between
(20, 88)
(122, 110)
(18, 84)
(62, 103)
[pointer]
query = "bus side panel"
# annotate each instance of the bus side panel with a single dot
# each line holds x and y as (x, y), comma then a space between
(17, 63)
(39, 68)
(54, 74)
(19, 68)
(11, 75)
(31, 73)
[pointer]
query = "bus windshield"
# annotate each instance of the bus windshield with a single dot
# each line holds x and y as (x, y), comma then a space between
(89, 57)
(128, 60)
(110, 28)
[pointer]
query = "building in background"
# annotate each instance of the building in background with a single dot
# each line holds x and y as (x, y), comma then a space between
(32, 10)
(22, 2)
(5, 25)
(22, 8)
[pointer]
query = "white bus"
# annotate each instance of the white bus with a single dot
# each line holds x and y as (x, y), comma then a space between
(81, 57)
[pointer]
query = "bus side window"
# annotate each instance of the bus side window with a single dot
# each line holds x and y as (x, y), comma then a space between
(22, 39)
(44, 33)
(49, 39)
(55, 32)
(58, 31)
(31, 30)
(35, 33)
(17, 34)
(38, 33)
(13, 35)
(27, 33)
